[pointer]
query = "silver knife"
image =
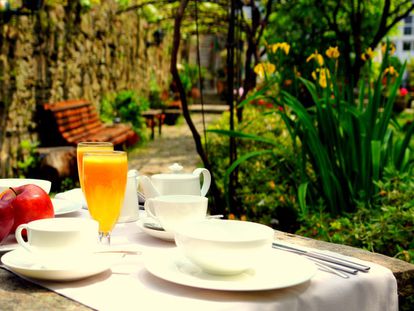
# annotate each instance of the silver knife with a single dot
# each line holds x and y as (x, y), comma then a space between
(324, 257)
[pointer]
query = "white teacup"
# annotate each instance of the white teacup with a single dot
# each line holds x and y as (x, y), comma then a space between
(59, 238)
(174, 210)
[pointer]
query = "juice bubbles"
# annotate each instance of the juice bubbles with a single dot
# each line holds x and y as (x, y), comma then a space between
(104, 181)
(88, 147)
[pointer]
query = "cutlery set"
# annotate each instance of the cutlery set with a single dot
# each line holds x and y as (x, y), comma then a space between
(339, 266)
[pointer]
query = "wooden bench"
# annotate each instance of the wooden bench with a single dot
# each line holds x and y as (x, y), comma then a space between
(72, 121)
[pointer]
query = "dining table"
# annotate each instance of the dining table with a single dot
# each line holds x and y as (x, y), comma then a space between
(148, 272)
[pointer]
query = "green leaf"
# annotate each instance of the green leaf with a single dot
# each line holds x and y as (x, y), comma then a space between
(376, 159)
(302, 199)
(244, 158)
(404, 146)
(238, 134)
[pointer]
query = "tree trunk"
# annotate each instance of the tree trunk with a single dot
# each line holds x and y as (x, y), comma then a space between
(217, 206)
(231, 199)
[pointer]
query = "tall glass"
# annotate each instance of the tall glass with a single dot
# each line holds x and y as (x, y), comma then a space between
(104, 182)
(89, 146)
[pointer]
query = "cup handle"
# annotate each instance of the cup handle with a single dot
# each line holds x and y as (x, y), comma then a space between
(19, 237)
(148, 208)
(206, 179)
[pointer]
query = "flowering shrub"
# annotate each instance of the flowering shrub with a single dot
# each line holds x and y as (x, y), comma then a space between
(347, 140)
(343, 139)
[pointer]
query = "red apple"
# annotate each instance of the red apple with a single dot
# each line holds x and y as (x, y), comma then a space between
(28, 202)
(6, 219)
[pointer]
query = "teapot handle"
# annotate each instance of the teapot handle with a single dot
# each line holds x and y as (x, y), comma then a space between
(206, 179)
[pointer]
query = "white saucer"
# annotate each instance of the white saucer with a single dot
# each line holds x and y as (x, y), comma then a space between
(159, 234)
(74, 195)
(278, 270)
(62, 206)
(8, 244)
(22, 262)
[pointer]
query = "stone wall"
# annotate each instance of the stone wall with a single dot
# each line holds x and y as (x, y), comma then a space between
(67, 52)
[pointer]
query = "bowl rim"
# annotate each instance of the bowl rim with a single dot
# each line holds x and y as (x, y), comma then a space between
(25, 179)
(5, 183)
(265, 233)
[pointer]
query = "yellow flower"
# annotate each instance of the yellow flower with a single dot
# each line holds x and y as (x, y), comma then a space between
(369, 54)
(264, 69)
(281, 45)
(321, 75)
(243, 218)
(391, 48)
(333, 52)
(318, 58)
(390, 70)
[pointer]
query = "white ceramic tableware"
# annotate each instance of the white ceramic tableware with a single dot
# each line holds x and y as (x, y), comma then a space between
(5, 183)
(176, 182)
(129, 211)
(59, 238)
(62, 207)
(69, 270)
(173, 211)
(74, 195)
(277, 270)
(224, 247)
(150, 227)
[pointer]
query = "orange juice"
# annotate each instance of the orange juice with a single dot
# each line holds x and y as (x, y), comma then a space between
(88, 147)
(104, 180)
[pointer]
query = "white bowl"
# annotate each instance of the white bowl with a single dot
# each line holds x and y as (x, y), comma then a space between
(5, 183)
(224, 247)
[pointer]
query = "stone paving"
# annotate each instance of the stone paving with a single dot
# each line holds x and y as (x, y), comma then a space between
(176, 144)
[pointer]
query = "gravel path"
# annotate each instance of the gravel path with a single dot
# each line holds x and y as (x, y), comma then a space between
(176, 144)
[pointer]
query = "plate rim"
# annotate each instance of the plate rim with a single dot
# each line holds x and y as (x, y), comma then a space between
(75, 206)
(73, 273)
(173, 255)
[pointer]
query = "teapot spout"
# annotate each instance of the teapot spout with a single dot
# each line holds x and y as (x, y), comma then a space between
(148, 188)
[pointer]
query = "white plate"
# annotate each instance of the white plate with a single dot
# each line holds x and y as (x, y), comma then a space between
(22, 262)
(62, 206)
(163, 235)
(278, 270)
(74, 195)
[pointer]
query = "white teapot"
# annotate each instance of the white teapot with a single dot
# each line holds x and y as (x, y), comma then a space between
(176, 182)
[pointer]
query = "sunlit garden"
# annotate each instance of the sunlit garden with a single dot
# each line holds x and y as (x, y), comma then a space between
(316, 142)
(317, 139)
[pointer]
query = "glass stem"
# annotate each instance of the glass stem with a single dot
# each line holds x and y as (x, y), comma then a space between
(105, 238)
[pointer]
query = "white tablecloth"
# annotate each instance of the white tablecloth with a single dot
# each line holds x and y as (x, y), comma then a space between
(129, 286)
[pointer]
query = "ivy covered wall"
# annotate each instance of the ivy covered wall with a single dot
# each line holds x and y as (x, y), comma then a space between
(65, 51)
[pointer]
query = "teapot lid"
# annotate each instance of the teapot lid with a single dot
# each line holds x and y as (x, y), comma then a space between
(175, 168)
(176, 174)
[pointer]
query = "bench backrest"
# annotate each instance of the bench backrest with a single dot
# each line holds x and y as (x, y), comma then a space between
(78, 120)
